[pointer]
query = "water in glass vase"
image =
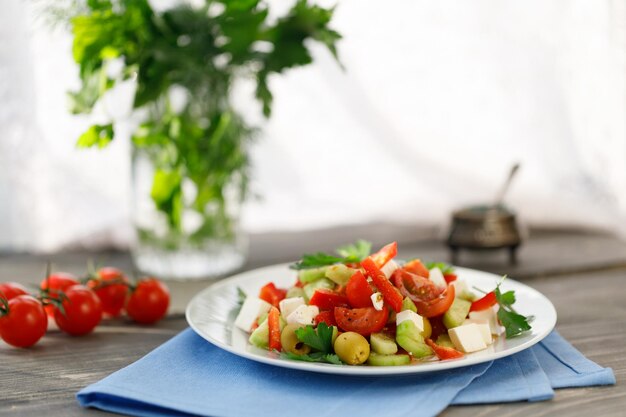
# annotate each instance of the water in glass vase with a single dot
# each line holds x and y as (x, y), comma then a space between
(181, 234)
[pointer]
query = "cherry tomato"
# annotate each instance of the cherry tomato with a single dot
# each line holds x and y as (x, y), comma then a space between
(449, 277)
(436, 306)
(271, 294)
(414, 286)
(10, 290)
(55, 283)
(327, 317)
(489, 300)
(24, 322)
(83, 311)
(111, 287)
(328, 299)
(417, 267)
(387, 253)
(148, 302)
(359, 291)
(443, 352)
(364, 321)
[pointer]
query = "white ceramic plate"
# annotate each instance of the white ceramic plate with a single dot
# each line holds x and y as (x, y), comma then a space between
(212, 312)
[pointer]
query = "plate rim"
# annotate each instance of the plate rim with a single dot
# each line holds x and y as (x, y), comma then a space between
(435, 366)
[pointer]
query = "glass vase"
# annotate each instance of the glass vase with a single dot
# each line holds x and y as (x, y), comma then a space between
(204, 243)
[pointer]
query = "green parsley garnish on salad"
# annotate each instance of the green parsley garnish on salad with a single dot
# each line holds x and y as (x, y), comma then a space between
(513, 322)
(444, 267)
(346, 254)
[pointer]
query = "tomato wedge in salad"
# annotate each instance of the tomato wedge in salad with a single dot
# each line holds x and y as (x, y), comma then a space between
(416, 267)
(364, 321)
(358, 291)
(444, 352)
(414, 286)
(438, 305)
(328, 299)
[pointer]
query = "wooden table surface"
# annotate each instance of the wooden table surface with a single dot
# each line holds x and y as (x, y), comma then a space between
(583, 275)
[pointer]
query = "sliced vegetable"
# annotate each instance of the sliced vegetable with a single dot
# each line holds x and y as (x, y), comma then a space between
(410, 339)
(437, 306)
(309, 289)
(376, 359)
(449, 277)
(444, 352)
(414, 286)
(384, 255)
(391, 295)
(339, 274)
(327, 317)
(489, 300)
(383, 344)
(416, 266)
(309, 275)
(273, 323)
(456, 314)
(271, 294)
(364, 321)
(327, 299)
(358, 291)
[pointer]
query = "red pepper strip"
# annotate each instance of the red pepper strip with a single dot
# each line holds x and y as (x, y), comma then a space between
(273, 323)
(443, 352)
(327, 317)
(449, 277)
(387, 253)
(327, 299)
(484, 303)
(271, 294)
(390, 294)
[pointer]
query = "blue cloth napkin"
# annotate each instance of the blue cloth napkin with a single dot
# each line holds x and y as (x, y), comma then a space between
(189, 376)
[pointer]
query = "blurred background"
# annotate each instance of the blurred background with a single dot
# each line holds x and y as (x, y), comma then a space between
(436, 101)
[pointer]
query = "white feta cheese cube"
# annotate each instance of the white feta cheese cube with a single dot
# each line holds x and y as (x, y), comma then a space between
(485, 331)
(410, 315)
(436, 276)
(251, 309)
(288, 305)
(467, 338)
(389, 267)
(461, 288)
(489, 317)
(377, 301)
(303, 315)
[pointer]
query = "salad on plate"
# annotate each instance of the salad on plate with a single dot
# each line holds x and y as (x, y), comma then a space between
(356, 307)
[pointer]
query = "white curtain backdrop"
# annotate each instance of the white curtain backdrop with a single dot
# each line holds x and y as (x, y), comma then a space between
(438, 99)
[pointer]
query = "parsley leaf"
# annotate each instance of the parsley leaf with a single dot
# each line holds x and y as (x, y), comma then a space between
(347, 254)
(513, 322)
(314, 357)
(322, 340)
(444, 267)
(355, 252)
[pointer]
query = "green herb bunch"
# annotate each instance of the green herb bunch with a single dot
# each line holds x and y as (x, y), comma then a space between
(201, 50)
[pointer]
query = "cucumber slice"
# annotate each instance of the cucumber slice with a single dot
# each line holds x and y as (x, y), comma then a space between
(383, 344)
(294, 292)
(445, 341)
(311, 275)
(309, 289)
(340, 273)
(260, 337)
(376, 359)
(455, 316)
(261, 318)
(409, 338)
(408, 304)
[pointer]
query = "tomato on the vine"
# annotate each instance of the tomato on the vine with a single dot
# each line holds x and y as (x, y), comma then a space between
(23, 321)
(56, 283)
(82, 311)
(111, 287)
(148, 301)
(10, 290)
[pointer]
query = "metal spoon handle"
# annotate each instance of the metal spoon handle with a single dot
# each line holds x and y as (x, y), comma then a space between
(506, 185)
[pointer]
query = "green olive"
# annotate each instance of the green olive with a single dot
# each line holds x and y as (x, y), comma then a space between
(290, 341)
(352, 348)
